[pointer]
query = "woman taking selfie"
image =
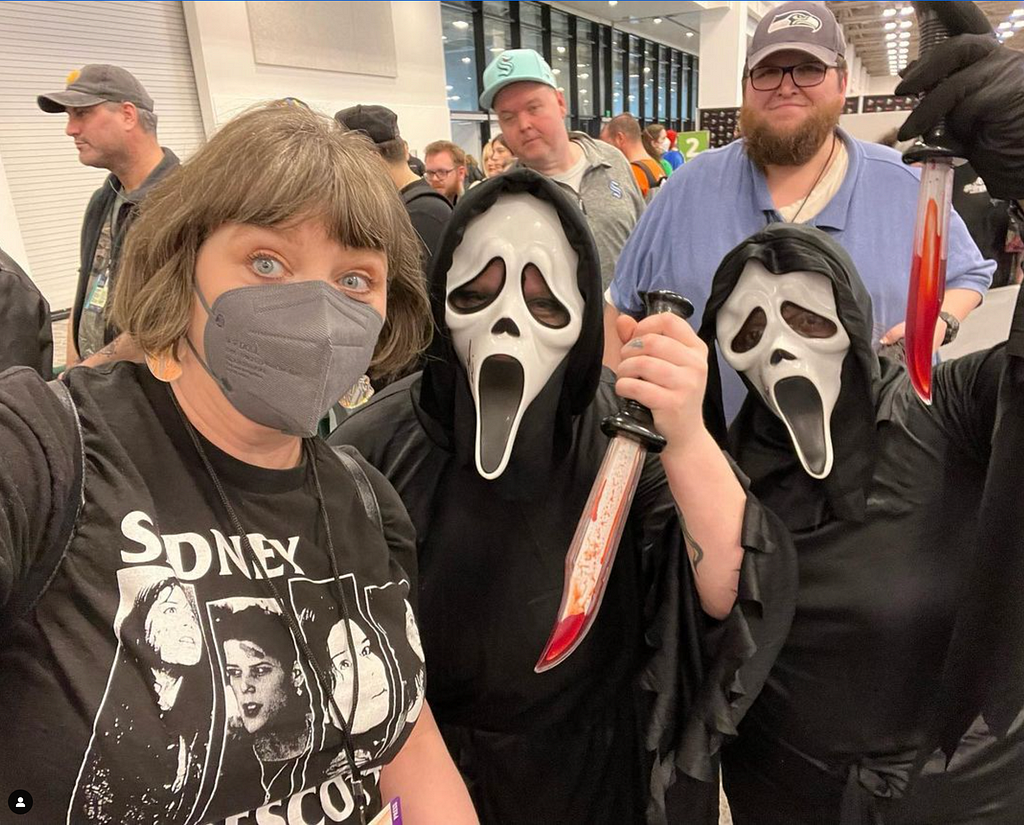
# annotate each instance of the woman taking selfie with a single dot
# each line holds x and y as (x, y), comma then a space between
(257, 281)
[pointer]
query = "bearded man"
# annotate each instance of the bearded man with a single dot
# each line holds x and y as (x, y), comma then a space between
(795, 165)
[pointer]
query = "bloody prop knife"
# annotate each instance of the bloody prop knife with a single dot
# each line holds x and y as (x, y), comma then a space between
(937, 152)
(592, 552)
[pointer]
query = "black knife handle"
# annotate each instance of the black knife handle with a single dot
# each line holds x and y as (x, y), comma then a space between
(937, 142)
(633, 418)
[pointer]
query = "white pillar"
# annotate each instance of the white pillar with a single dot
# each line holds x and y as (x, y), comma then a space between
(10, 232)
(723, 49)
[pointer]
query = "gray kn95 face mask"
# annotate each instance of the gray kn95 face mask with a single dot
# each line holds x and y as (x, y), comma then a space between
(283, 354)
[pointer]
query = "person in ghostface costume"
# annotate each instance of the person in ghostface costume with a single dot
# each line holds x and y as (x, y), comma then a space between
(493, 449)
(893, 567)
(976, 84)
(881, 494)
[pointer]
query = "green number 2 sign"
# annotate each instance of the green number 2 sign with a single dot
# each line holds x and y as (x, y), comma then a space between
(692, 144)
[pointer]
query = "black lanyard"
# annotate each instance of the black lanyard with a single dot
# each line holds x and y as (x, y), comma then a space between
(285, 608)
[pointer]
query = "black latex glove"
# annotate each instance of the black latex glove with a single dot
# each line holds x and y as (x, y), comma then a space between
(978, 86)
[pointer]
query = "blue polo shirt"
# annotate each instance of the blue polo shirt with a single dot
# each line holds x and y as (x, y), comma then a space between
(720, 198)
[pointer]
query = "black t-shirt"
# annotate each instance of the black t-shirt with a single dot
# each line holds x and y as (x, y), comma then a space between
(155, 681)
(429, 212)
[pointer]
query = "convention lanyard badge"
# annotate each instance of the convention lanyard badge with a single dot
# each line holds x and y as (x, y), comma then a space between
(391, 815)
(97, 300)
(588, 563)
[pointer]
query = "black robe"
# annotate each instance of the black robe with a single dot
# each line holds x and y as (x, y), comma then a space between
(885, 544)
(600, 738)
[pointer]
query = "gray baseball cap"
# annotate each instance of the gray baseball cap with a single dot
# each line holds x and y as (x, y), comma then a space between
(798, 26)
(97, 83)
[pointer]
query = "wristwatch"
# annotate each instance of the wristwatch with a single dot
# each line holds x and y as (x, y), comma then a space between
(952, 327)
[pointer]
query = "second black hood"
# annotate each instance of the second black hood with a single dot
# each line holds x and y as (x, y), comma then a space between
(757, 438)
(444, 378)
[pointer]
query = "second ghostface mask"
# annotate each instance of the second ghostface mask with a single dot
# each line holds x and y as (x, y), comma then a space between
(784, 334)
(514, 310)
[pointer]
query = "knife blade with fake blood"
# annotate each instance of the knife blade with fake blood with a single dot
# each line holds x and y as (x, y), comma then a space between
(588, 563)
(938, 153)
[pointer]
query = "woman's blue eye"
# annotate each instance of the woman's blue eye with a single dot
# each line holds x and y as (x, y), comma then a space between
(266, 266)
(355, 281)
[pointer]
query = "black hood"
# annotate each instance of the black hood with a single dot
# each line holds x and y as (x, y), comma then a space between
(757, 438)
(445, 386)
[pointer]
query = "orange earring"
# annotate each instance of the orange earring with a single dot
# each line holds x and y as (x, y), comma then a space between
(164, 366)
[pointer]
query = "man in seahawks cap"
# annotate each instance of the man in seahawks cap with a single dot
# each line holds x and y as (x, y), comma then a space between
(795, 164)
(111, 120)
(524, 92)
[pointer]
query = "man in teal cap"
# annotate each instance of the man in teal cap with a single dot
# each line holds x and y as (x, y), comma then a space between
(521, 89)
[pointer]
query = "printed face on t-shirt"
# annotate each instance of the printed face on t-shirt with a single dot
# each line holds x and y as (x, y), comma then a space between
(261, 685)
(374, 698)
(172, 629)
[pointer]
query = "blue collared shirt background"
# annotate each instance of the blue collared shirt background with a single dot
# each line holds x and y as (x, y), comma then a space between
(720, 198)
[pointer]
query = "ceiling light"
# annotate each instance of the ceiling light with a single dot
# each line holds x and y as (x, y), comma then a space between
(454, 98)
(496, 49)
(560, 49)
(1019, 24)
(890, 25)
(647, 69)
(906, 24)
(460, 24)
(1017, 13)
(467, 60)
(904, 35)
(448, 88)
(613, 2)
(689, 34)
(657, 21)
(444, 38)
(907, 10)
(1007, 35)
(891, 36)
(556, 71)
(1006, 25)
(889, 12)
(585, 76)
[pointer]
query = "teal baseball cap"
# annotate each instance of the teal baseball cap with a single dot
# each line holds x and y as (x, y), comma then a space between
(515, 66)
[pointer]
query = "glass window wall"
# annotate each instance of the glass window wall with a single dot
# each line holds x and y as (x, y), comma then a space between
(655, 82)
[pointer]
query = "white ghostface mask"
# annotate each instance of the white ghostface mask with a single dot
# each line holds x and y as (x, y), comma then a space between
(514, 310)
(783, 332)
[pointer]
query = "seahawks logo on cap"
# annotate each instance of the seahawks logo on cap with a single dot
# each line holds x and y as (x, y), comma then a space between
(794, 19)
(505, 65)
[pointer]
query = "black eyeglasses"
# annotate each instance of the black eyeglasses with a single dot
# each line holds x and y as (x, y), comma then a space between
(437, 174)
(769, 78)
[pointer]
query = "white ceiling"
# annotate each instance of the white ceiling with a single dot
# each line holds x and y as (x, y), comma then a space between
(864, 24)
(677, 18)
